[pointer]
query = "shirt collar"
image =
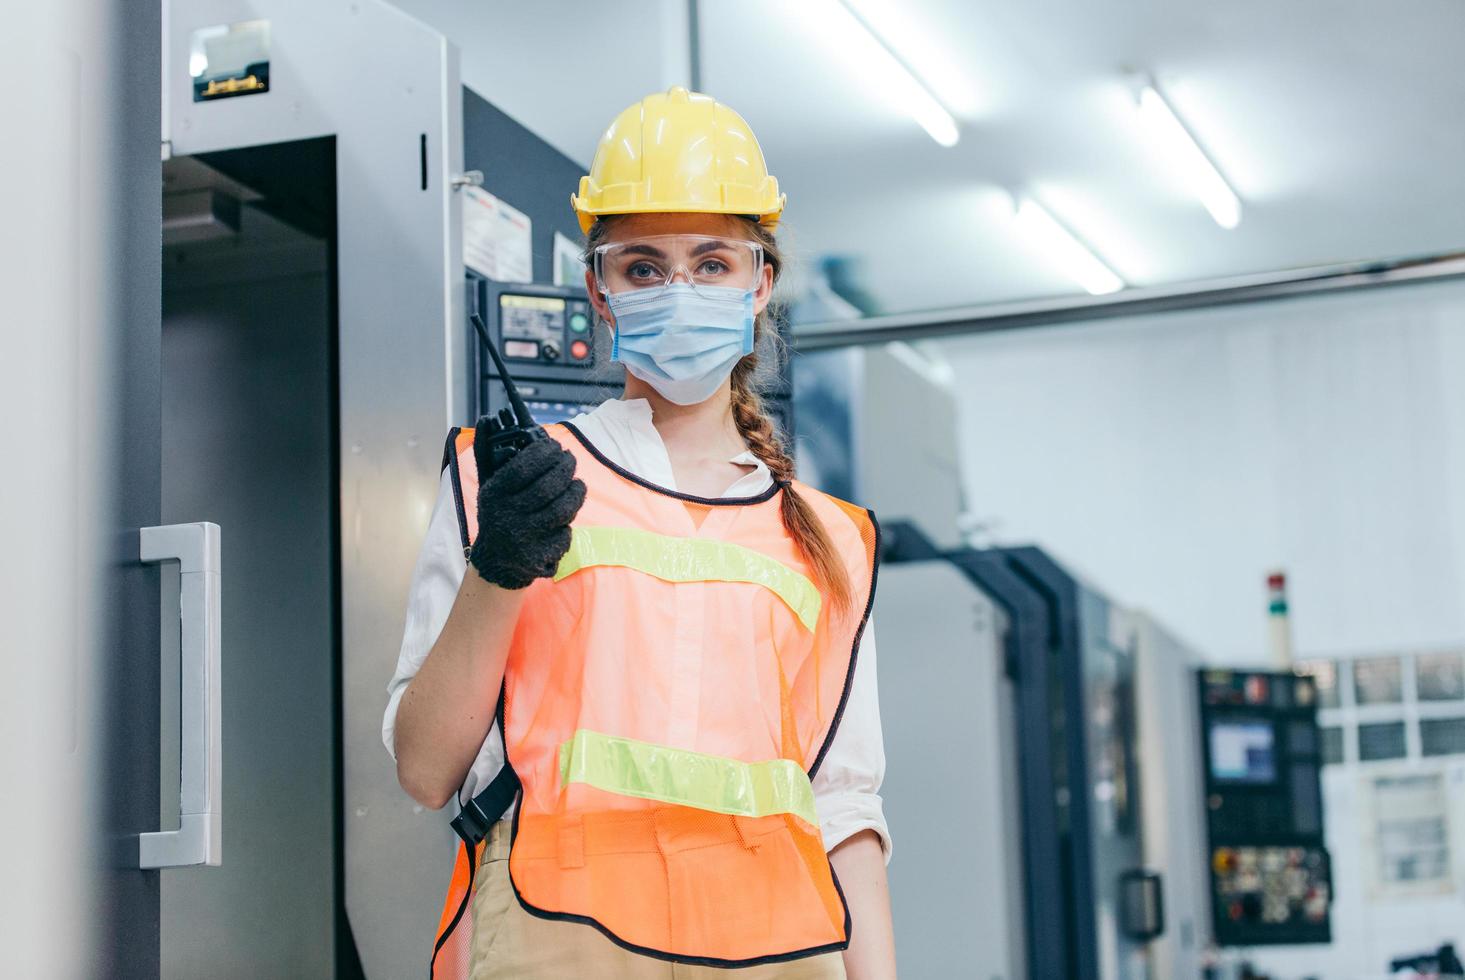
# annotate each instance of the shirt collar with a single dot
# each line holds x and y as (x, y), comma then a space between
(635, 414)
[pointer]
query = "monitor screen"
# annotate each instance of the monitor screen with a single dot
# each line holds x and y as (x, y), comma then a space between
(529, 323)
(1243, 752)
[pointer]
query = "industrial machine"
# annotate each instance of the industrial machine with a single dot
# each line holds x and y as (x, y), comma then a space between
(1269, 869)
(310, 342)
(1013, 730)
(1076, 750)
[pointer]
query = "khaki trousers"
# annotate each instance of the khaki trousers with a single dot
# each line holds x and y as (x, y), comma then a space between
(508, 942)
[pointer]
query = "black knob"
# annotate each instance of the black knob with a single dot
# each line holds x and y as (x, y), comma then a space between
(551, 352)
(505, 419)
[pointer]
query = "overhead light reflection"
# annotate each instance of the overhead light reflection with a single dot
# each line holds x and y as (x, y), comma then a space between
(870, 56)
(1060, 247)
(1170, 138)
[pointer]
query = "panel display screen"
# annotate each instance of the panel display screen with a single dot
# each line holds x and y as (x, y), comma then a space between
(1243, 752)
(528, 323)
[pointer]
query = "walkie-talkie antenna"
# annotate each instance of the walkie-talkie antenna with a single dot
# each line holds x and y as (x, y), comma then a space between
(521, 411)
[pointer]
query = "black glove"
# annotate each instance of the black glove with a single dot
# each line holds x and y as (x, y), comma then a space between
(524, 514)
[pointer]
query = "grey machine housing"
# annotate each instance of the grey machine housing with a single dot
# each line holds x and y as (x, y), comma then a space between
(1043, 783)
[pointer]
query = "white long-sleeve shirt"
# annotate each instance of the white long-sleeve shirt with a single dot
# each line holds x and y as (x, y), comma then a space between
(847, 785)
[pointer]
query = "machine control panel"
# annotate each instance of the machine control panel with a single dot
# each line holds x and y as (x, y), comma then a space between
(546, 329)
(1270, 894)
(547, 335)
(1270, 881)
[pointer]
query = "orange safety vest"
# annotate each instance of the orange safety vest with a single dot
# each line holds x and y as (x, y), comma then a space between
(668, 697)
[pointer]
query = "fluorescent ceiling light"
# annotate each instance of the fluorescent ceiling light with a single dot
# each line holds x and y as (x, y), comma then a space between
(1177, 147)
(1057, 244)
(844, 29)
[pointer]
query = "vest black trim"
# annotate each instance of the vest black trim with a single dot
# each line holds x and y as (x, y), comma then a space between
(849, 678)
(759, 498)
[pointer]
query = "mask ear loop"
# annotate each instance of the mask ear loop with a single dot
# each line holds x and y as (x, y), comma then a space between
(749, 334)
(615, 334)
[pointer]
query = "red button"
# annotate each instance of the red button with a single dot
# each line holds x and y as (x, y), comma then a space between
(579, 350)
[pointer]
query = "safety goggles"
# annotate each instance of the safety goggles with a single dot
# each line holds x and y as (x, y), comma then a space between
(655, 262)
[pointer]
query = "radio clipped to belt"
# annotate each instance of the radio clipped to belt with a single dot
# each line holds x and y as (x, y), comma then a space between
(480, 813)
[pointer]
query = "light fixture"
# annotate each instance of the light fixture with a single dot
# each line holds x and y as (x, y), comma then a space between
(1059, 246)
(841, 25)
(1177, 147)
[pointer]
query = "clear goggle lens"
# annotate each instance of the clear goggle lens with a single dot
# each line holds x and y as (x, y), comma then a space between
(656, 262)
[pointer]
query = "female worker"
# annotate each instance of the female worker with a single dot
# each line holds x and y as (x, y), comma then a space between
(660, 629)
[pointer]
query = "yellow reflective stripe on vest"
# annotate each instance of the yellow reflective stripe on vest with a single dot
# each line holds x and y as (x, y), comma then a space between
(707, 782)
(675, 559)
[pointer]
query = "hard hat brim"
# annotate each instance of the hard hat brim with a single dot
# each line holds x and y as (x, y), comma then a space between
(588, 216)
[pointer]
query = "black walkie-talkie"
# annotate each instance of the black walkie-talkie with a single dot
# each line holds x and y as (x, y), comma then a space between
(497, 438)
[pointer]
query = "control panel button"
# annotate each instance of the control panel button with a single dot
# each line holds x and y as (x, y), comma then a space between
(551, 352)
(579, 350)
(579, 322)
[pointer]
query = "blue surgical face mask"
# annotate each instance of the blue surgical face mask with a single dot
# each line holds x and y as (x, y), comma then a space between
(682, 341)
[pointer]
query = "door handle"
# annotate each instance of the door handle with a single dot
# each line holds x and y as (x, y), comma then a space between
(198, 839)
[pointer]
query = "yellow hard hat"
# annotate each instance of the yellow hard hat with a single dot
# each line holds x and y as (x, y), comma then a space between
(682, 151)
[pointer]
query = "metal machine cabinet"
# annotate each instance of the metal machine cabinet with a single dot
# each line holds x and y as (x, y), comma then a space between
(331, 497)
(951, 786)
(1172, 794)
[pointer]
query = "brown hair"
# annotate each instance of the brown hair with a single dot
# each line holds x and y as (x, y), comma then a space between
(762, 436)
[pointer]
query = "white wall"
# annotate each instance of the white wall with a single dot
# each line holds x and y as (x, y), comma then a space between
(1177, 458)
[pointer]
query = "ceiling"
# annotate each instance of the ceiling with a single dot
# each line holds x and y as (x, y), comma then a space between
(1341, 124)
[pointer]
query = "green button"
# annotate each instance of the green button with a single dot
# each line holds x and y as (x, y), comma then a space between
(578, 323)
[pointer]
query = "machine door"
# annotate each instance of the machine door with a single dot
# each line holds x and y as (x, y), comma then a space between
(1092, 671)
(83, 586)
(120, 660)
(951, 775)
(1106, 662)
(322, 444)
